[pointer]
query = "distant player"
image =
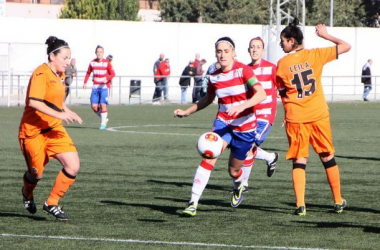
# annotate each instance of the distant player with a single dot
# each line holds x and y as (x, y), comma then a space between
(266, 110)
(41, 133)
(306, 112)
(102, 75)
(234, 84)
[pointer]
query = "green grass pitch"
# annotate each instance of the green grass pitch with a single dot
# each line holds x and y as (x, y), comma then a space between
(136, 179)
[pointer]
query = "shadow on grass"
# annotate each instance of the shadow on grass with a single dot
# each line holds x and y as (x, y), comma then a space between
(366, 229)
(38, 218)
(81, 127)
(184, 184)
(151, 220)
(174, 210)
(220, 203)
(165, 209)
(358, 158)
(331, 208)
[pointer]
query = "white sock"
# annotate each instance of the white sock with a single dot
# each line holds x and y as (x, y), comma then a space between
(201, 178)
(264, 155)
(247, 167)
(104, 117)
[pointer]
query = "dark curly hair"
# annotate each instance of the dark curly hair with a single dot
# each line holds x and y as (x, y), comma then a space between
(55, 45)
(293, 31)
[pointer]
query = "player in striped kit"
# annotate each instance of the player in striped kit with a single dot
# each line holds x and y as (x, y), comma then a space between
(102, 75)
(266, 110)
(234, 84)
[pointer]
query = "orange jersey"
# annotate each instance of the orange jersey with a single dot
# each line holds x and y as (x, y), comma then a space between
(299, 74)
(45, 86)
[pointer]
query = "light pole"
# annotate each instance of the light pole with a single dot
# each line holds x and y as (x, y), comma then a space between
(331, 12)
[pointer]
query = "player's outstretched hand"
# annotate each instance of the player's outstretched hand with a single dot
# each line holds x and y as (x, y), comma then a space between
(180, 113)
(321, 30)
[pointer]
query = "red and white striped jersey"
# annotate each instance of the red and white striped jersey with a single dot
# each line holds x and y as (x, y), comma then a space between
(102, 73)
(232, 89)
(266, 73)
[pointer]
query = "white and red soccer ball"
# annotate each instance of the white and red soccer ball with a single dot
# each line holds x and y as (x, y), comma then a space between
(210, 145)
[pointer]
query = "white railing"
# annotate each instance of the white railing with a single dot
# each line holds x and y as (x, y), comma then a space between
(13, 92)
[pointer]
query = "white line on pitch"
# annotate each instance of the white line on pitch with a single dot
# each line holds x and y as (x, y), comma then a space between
(156, 242)
(115, 129)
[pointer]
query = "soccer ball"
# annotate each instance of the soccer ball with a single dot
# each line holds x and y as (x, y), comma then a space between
(210, 145)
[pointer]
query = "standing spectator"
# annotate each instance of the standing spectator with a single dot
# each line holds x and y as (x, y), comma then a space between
(197, 59)
(70, 73)
(366, 79)
(155, 68)
(299, 80)
(184, 82)
(102, 75)
(161, 77)
(211, 69)
(266, 110)
(198, 81)
(41, 133)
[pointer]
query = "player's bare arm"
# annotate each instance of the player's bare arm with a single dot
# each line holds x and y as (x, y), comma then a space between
(343, 46)
(258, 97)
(203, 103)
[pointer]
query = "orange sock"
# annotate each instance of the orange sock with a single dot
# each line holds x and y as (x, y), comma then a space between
(299, 184)
(28, 187)
(334, 181)
(61, 185)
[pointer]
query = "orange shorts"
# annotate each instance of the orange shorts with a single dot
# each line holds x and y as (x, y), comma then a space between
(301, 135)
(39, 149)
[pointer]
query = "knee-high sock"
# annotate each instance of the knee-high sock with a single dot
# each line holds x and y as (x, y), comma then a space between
(264, 155)
(238, 179)
(299, 184)
(334, 181)
(202, 175)
(61, 185)
(247, 166)
(104, 115)
(28, 187)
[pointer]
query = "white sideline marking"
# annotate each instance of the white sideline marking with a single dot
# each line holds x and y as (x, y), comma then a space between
(157, 242)
(116, 129)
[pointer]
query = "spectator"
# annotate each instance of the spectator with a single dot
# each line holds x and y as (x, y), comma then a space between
(161, 75)
(184, 82)
(198, 81)
(211, 69)
(197, 59)
(366, 79)
(70, 73)
(155, 68)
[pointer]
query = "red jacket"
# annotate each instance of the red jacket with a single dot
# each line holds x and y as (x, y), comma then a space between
(163, 70)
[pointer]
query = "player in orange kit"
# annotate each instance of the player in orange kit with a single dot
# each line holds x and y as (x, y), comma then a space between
(306, 112)
(41, 133)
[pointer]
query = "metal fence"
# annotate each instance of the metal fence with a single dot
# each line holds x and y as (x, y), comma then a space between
(132, 90)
